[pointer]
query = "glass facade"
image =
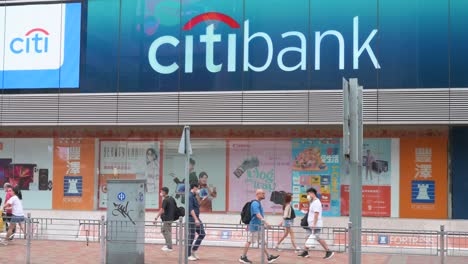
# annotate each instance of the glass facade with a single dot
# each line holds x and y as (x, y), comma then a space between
(404, 170)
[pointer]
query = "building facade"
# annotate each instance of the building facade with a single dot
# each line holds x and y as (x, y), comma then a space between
(96, 90)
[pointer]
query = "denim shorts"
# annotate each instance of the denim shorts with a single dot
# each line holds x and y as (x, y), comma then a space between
(17, 219)
(288, 222)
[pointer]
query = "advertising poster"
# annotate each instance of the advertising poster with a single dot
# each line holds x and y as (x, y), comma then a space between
(316, 163)
(423, 177)
(27, 162)
(259, 164)
(207, 168)
(74, 174)
(376, 179)
(130, 159)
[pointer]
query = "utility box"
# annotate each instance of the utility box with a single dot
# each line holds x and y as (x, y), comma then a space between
(125, 222)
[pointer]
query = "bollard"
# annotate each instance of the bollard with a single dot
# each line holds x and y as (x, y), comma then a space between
(28, 231)
(102, 239)
(180, 242)
(262, 233)
(350, 249)
(442, 244)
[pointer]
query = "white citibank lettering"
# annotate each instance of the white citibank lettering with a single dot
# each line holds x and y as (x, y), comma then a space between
(210, 38)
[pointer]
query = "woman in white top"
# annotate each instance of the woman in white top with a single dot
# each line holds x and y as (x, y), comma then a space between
(17, 212)
(288, 222)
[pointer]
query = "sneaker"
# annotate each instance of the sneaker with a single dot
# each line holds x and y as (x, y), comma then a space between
(272, 258)
(11, 236)
(192, 258)
(244, 259)
(195, 255)
(304, 254)
(3, 242)
(166, 249)
(277, 248)
(329, 254)
(298, 250)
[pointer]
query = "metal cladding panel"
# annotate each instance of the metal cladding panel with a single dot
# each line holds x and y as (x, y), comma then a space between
(414, 106)
(459, 106)
(275, 107)
(390, 106)
(88, 109)
(35, 109)
(210, 108)
(148, 108)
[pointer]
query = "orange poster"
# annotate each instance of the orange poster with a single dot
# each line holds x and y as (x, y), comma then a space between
(423, 177)
(73, 174)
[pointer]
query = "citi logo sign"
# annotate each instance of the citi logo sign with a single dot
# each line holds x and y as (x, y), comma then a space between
(35, 40)
(210, 38)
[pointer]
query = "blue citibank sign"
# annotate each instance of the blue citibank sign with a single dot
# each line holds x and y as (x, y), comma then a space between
(209, 39)
(227, 45)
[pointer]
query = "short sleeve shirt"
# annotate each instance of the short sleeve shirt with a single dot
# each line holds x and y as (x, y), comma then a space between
(255, 222)
(315, 207)
(169, 207)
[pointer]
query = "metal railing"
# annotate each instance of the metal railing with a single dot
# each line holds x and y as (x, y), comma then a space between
(100, 233)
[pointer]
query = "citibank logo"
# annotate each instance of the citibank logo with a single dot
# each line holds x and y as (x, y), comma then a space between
(35, 40)
(210, 38)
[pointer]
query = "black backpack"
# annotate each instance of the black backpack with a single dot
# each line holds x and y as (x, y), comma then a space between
(246, 215)
(179, 212)
(293, 214)
(304, 222)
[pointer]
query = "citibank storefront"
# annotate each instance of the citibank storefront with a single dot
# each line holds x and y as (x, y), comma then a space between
(100, 90)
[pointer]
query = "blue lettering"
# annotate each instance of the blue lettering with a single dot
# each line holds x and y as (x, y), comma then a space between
(23, 45)
(12, 45)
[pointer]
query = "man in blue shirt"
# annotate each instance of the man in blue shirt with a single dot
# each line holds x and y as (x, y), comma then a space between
(195, 224)
(256, 210)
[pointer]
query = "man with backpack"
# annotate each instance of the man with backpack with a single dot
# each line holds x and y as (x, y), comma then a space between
(168, 214)
(254, 209)
(195, 224)
(315, 224)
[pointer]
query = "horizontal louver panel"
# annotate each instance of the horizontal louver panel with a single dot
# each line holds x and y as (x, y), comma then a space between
(409, 106)
(210, 108)
(32, 109)
(413, 106)
(459, 106)
(275, 107)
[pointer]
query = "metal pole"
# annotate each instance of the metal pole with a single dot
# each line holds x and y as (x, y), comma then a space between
(350, 245)
(262, 233)
(442, 244)
(179, 237)
(28, 231)
(102, 238)
(187, 189)
(355, 197)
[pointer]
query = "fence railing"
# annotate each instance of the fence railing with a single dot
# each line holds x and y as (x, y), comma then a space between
(438, 243)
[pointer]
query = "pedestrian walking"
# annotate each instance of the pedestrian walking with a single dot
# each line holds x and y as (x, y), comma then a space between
(288, 223)
(17, 213)
(195, 224)
(168, 215)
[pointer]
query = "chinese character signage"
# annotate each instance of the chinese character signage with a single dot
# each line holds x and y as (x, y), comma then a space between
(74, 168)
(316, 163)
(423, 177)
(126, 160)
(376, 179)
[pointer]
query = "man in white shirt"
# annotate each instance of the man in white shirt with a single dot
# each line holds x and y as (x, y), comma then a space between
(315, 222)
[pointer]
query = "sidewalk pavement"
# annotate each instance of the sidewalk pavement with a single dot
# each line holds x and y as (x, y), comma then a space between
(66, 252)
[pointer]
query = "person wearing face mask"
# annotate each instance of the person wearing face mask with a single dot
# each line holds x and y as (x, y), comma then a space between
(167, 214)
(195, 224)
(315, 223)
